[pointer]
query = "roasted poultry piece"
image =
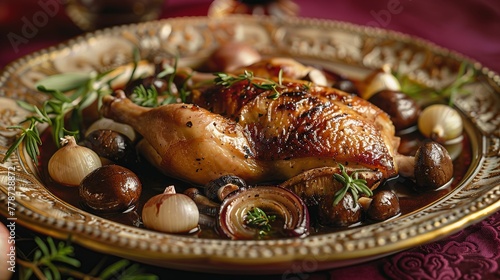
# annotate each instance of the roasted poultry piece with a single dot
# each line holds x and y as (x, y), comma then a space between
(270, 129)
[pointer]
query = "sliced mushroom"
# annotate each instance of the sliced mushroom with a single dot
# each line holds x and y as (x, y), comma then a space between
(221, 187)
(316, 184)
(204, 204)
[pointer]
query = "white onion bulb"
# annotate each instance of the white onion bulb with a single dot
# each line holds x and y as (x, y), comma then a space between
(441, 123)
(170, 212)
(71, 163)
(105, 123)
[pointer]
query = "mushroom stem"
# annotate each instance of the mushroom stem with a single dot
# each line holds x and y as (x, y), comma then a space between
(365, 202)
(406, 165)
(204, 204)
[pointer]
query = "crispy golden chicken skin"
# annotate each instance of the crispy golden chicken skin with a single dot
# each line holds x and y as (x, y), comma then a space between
(262, 131)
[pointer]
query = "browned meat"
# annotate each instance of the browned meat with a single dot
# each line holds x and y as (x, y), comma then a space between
(261, 134)
(306, 121)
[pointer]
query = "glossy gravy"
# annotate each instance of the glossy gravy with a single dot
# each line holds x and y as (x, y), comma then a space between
(154, 182)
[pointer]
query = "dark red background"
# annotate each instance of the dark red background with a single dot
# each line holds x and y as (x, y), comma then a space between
(466, 26)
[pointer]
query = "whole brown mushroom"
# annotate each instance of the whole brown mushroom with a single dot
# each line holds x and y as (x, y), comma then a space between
(402, 109)
(384, 205)
(344, 213)
(433, 166)
(110, 188)
(113, 146)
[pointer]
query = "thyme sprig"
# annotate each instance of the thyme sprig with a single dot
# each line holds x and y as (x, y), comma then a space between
(257, 218)
(53, 261)
(228, 80)
(351, 184)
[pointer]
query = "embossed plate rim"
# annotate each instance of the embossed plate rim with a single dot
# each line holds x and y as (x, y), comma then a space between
(257, 257)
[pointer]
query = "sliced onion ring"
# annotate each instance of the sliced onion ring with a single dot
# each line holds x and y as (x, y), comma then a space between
(278, 200)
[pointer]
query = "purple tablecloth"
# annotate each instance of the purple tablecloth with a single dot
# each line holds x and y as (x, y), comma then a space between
(469, 27)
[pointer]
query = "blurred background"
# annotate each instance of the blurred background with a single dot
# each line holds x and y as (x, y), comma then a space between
(471, 27)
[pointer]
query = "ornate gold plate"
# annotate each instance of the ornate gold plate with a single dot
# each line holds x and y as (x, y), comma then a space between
(349, 49)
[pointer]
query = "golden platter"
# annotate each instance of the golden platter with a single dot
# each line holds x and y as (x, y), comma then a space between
(349, 49)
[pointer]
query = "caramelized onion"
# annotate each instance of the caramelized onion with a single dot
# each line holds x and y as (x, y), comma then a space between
(283, 203)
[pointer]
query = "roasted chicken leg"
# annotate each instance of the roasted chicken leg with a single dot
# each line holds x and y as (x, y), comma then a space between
(261, 130)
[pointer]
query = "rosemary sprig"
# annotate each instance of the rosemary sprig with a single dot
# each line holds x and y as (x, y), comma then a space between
(52, 112)
(53, 261)
(69, 94)
(30, 136)
(171, 72)
(46, 259)
(145, 97)
(465, 75)
(351, 184)
(257, 218)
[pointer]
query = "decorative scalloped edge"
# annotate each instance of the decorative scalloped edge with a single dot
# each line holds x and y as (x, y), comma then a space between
(472, 201)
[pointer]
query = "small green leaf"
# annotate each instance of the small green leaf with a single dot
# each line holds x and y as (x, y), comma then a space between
(112, 269)
(63, 82)
(13, 147)
(351, 184)
(56, 275)
(59, 95)
(38, 254)
(26, 106)
(42, 246)
(167, 71)
(136, 55)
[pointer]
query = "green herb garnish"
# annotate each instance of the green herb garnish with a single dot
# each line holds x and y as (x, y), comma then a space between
(257, 218)
(351, 184)
(145, 97)
(52, 112)
(227, 80)
(53, 261)
(70, 93)
(466, 75)
(30, 136)
(150, 97)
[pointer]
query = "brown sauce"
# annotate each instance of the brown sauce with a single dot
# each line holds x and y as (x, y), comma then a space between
(154, 182)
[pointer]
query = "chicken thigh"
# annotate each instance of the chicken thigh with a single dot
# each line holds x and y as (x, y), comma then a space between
(261, 130)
